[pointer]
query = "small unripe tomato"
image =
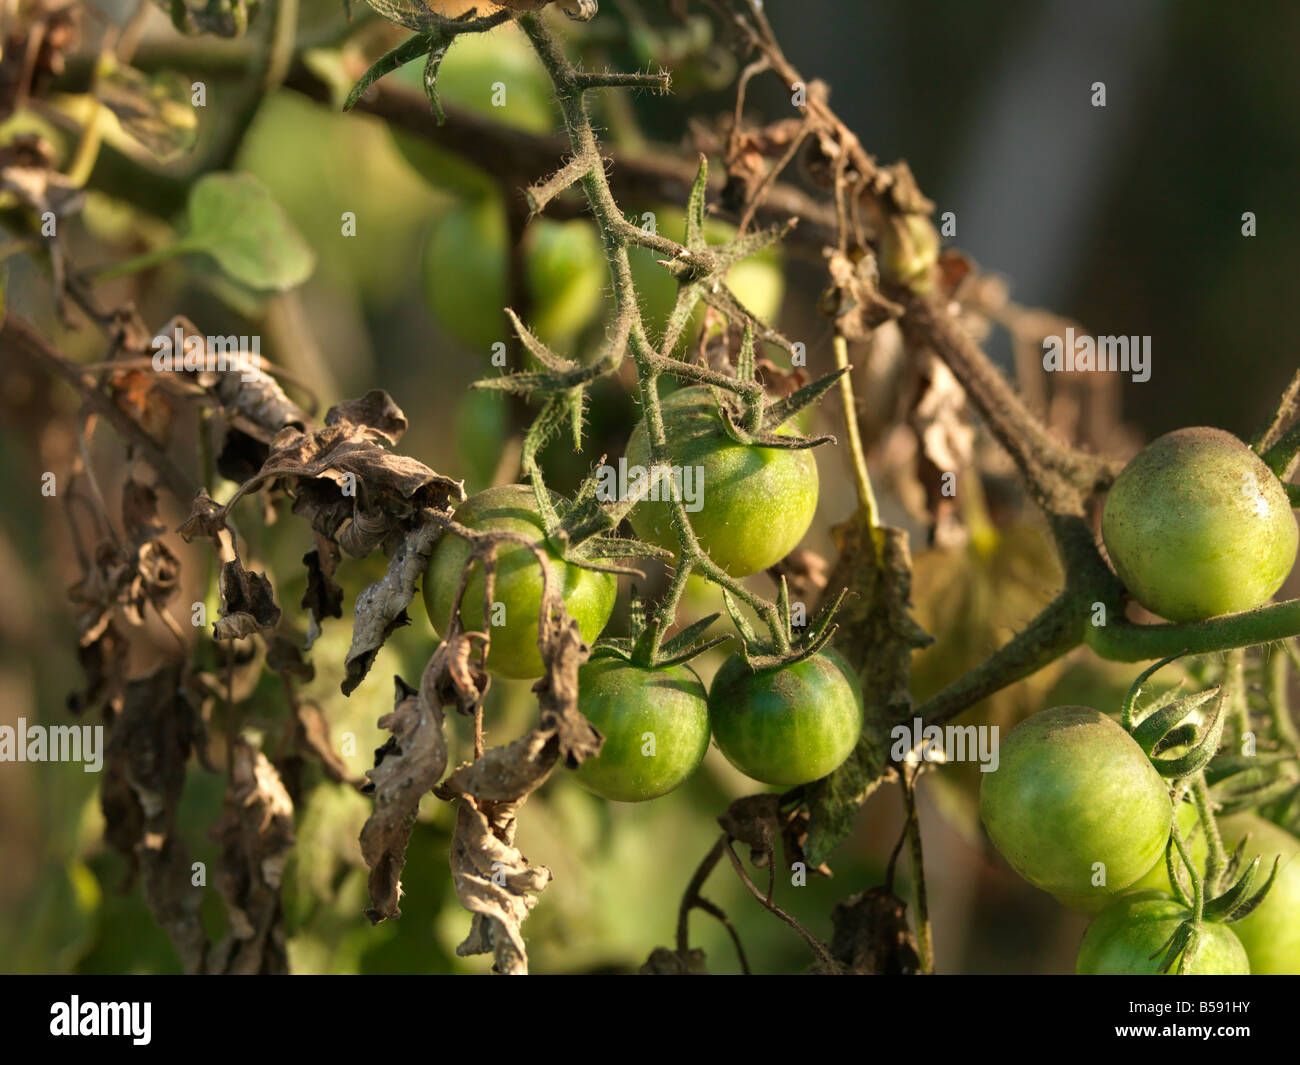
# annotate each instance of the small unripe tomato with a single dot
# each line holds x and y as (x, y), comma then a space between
(755, 503)
(1197, 526)
(1271, 935)
(790, 725)
(1121, 940)
(656, 727)
(1073, 797)
(588, 596)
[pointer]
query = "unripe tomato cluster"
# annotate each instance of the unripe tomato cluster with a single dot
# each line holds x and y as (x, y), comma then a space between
(1077, 808)
(784, 726)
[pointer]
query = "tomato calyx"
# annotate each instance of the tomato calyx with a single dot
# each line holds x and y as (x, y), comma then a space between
(751, 419)
(760, 654)
(1162, 725)
(644, 648)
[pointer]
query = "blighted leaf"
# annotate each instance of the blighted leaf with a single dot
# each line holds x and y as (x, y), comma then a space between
(877, 635)
(872, 936)
(144, 774)
(381, 607)
(255, 833)
(324, 596)
(349, 485)
(154, 110)
(206, 518)
(247, 603)
(233, 218)
(496, 883)
(406, 769)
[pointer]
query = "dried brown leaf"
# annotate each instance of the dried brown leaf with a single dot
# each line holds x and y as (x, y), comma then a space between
(256, 834)
(406, 768)
(247, 603)
(496, 883)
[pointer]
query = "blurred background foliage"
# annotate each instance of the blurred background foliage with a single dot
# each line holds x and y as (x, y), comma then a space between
(1126, 218)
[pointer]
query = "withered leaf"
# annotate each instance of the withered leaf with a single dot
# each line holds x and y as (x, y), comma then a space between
(877, 635)
(256, 834)
(352, 489)
(284, 655)
(324, 596)
(144, 774)
(563, 651)
(207, 518)
(495, 883)
(381, 607)
(406, 768)
(376, 409)
(872, 937)
(247, 603)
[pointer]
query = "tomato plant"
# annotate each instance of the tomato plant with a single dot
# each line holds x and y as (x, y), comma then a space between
(656, 727)
(1197, 525)
(1130, 935)
(755, 503)
(1074, 805)
(790, 725)
(588, 596)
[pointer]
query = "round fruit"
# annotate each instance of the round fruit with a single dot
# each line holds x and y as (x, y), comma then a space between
(655, 723)
(1271, 935)
(1072, 790)
(790, 725)
(1197, 526)
(1129, 937)
(465, 275)
(588, 596)
(754, 503)
(909, 249)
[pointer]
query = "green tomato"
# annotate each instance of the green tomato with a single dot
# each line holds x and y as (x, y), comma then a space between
(1197, 526)
(1073, 789)
(758, 282)
(755, 503)
(1271, 935)
(588, 596)
(1123, 938)
(655, 723)
(790, 725)
(466, 267)
(564, 268)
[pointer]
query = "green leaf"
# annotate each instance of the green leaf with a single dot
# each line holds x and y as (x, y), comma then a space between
(234, 219)
(411, 48)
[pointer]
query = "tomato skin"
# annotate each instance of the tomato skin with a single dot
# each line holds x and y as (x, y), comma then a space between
(1197, 526)
(757, 502)
(1072, 788)
(1121, 940)
(626, 702)
(466, 268)
(790, 725)
(1271, 935)
(588, 596)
